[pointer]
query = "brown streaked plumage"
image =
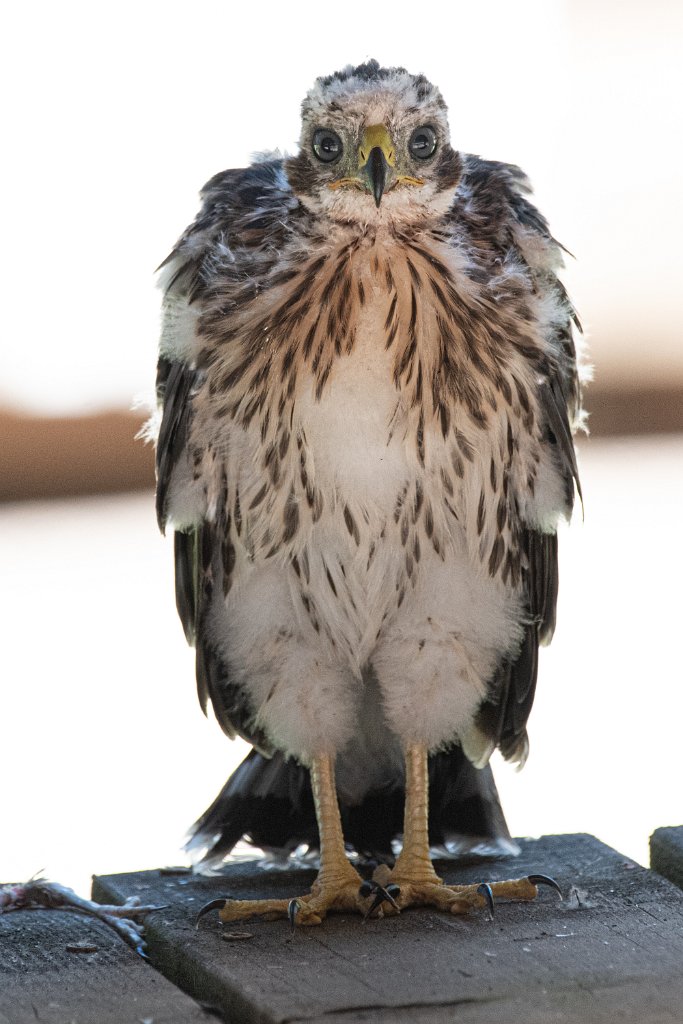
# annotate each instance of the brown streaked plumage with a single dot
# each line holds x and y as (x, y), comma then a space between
(369, 386)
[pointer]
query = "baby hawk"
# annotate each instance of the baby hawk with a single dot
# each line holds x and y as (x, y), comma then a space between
(368, 385)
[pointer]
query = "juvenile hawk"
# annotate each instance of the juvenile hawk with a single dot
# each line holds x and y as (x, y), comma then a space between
(368, 384)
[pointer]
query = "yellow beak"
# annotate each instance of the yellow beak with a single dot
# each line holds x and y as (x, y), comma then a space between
(376, 155)
(376, 137)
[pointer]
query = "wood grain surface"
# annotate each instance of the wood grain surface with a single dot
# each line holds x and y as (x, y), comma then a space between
(612, 950)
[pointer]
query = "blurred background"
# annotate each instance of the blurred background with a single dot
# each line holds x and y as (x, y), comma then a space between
(114, 117)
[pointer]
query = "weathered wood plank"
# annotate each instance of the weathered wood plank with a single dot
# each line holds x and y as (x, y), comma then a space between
(666, 853)
(631, 1003)
(612, 951)
(42, 980)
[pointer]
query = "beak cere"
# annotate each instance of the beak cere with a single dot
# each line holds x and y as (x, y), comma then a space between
(376, 155)
(377, 168)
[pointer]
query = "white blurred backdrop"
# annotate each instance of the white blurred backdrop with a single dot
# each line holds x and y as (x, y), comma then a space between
(114, 117)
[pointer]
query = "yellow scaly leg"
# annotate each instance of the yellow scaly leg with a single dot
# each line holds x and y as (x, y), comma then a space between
(414, 873)
(338, 883)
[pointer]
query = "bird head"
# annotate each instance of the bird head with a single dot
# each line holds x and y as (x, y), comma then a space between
(375, 147)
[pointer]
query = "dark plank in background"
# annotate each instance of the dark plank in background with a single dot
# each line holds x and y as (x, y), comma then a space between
(612, 953)
(47, 458)
(57, 458)
(41, 981)
(666, 853)
(634, 409)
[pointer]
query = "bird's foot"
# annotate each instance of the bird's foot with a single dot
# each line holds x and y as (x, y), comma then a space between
(337, 891)
(422, 887)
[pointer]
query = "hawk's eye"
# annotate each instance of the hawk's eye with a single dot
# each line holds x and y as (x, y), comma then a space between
(422, 142)
(327, 145)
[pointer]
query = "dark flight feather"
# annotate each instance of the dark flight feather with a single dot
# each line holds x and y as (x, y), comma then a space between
(186, 577)
(269, 801)
(175, 381)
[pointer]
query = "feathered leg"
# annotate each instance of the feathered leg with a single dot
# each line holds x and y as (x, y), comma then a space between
(337, 887)
(414, 874)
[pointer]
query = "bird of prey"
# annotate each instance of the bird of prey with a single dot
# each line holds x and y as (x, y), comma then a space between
(368, 387)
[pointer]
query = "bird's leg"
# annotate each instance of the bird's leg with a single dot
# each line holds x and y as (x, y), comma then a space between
(337, 887)
(414, 875)
(335, 870)
(414, 863)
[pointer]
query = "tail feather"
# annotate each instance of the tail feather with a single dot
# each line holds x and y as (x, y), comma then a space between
(269, 802)
(465, 814)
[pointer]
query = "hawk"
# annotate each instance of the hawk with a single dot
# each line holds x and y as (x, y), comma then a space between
(368, 384)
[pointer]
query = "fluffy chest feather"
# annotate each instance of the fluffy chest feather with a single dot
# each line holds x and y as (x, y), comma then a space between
(355, 431)
(376, 397)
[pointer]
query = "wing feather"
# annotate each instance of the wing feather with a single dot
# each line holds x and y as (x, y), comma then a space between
(493, 203)
(204, 557)
(175, 382)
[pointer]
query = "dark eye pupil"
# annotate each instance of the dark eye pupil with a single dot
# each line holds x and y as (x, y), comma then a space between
(327, 145)
(422, 142)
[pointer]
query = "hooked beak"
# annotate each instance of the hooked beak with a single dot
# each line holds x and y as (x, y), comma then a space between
(376, 156)
(377, 172)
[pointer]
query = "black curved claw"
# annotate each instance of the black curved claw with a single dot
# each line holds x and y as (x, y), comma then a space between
(293, 908)
(382, 895)
(207, 908)
(486, 891)
(377, 902)
(545, 880)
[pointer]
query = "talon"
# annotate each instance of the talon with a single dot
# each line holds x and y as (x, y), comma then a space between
(207, 908)
(382, 895)
(389, 894)
(545, 880)
(293, 908)
(486, 891)
(377, 902)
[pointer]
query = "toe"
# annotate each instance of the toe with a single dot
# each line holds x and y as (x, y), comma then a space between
(240, 910)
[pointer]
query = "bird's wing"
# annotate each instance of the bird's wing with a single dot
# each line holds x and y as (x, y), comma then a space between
(204, 559)
(493, 203)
